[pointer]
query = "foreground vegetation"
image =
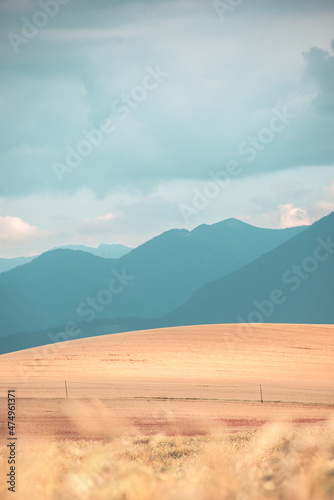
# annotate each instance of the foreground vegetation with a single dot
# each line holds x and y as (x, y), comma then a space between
(275, 462)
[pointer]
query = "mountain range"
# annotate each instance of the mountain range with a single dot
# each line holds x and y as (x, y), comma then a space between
(114, 251)
(59, 285)
(107, 251)
(293, 283)
(222, 273)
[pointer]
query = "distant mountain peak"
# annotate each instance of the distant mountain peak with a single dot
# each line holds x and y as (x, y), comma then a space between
(233, 222)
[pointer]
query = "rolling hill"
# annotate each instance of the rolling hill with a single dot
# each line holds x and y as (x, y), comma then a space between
(206, 372)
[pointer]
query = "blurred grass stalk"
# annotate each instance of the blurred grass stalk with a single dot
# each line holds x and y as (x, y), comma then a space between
(276, 462)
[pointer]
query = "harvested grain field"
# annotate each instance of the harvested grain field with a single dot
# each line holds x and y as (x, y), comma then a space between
(177, 380)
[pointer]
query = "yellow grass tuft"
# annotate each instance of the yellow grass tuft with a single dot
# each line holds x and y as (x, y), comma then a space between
(276, 462)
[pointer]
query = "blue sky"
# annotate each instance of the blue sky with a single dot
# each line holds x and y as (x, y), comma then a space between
(121, 120)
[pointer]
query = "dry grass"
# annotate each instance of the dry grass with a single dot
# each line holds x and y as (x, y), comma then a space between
(176, 378)
(276, 462)
(150, 415)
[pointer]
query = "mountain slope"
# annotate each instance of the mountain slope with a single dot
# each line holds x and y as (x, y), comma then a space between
(170, 267)
(291, 284)
(103, 250)
(8, 264)
(48, 291)
(106, 251)
(71, 286)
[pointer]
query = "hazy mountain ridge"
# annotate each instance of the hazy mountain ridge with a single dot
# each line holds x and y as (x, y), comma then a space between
(8, 264)
(304, 286)
(114, 251)
(58, 286)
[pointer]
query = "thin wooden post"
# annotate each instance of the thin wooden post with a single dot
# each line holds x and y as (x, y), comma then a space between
(261, 393)
(66, 389)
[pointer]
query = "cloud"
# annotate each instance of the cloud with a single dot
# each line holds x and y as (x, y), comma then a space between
(320, 69)
(292, 216)
(324, 207)
(225, 79)
(134, 218)
(326, 202)
(13, 230)
(328, 191)
(64, 82)
(104, 218)
(98, 225)
(291, 202)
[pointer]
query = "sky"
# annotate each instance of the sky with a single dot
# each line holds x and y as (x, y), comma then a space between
(124, 119)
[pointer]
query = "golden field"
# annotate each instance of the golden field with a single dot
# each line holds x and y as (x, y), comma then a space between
(175, 414)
